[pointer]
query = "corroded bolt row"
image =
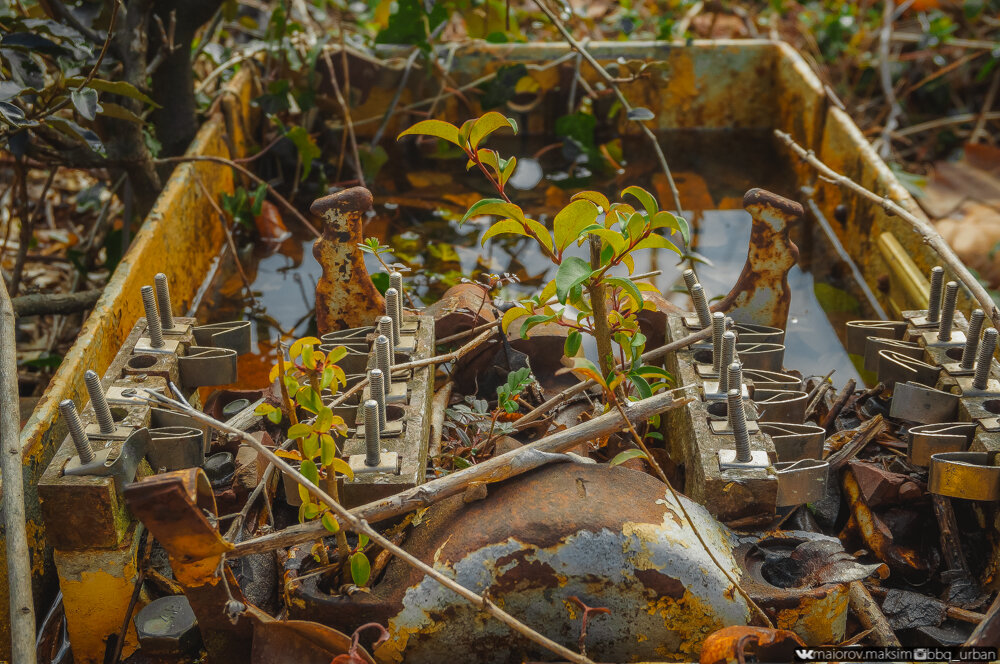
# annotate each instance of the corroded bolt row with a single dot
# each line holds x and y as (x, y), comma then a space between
(68, 410)
(372, 453)
(934, 294)
(101, 409)
(985, 360)
(152, 318)
(718, 328)
(392, 310)
(163, 301)
(738, 425)
(948, 311)
(728, 355)
(376, 384)
(972, 340)
(382, 361)
(698, 298)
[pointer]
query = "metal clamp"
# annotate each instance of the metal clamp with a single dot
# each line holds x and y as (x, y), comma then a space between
(895, 367)
(766, 356)
(771, 380)
(968, 475)
(875, 344)
(793, 442)
(914, 402)
(758, 460)
(860, 331)
(781, 406)
(120, 467)
(207, 366)
(929, 439)
(759, 334)
(389, 462)
(176, 448)
(234, 335)
(801, 482)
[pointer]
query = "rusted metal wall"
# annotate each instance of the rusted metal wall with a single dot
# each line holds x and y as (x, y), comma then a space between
(180, 237)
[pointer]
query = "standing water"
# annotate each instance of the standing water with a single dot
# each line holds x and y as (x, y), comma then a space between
(420, 199)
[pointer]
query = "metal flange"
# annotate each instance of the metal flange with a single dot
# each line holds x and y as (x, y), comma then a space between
(968, 475)
(119, 464)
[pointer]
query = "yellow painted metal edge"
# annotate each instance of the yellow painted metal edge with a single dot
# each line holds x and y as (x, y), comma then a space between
(180, 237)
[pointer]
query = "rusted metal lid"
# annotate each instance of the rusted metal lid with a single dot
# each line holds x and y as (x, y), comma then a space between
(355, 199)
(758, 196)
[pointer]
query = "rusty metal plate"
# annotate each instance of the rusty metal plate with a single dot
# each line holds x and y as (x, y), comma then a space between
(968, 475)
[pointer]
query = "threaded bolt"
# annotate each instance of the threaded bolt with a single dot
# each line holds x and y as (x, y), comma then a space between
(373, 455)
(948, 311)
(718, 328)
(385, 329)
(100, 403)
(985, 360)
(152, 318)
(392, 311)
(396, 281)
(972, 340)
(934, 294)
(736, 377)
(163, 301)
(728, 351)
(698, 298)
(68, 410)
(382, 362)
(738, 425)
(376, 383)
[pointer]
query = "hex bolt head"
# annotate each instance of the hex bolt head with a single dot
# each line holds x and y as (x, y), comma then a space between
(948, 311)
(934, 294)
(382, 362)
(376, 385)
(153, 326)
(373, 455)
(718, 329)
(985, 360)
(101, 409)
(738, 425)
(728, 355)
(163, 301)
(76, 431)
(392, 310)
(972, 339)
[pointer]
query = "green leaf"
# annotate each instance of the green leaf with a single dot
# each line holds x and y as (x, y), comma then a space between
(328, 449)
(571, 220)
(655, 241)
(622, 457)
(114, 87)
(411, 23)
(614, 239)
(494, 207)
(361, 569)
(342, 467)
(362, 540)
(324, 420)
(505, 227)
(330, 523)
(74, 130)
(629, 287)
(534, 321)
(112, 110)
(310, 471)
(573, 271)
(641, 386)
(644, 197)
(310, 446)
(573, 342)
(487, 124)
(300, 430)
(308, 399)
(675, 222)
(85, 102)
(306, 146)
(595, 197)
(437, 128)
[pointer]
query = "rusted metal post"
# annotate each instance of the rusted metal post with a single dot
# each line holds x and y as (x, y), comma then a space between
(345, 294)
(22, 609)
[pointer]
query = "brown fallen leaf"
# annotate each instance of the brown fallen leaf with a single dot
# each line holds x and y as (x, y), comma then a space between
(737, 644)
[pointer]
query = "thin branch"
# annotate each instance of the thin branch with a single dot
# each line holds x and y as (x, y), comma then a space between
(361, 526)
(930, 236)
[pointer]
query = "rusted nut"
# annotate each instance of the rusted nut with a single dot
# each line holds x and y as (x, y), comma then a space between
(167, 626)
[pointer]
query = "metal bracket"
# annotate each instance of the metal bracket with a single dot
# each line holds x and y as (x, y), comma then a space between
(895, 367)
(176, 448)
(145, 345)
(178, 330)
(801, 482)
(965, 384)
(397, 393)
(207, 366)
(990, 424)
(875, 344)
(955, 369)
(120, 467)
(781, 406)
(93, 432)
(766, 356)
(393, 429)
(793, 442)
(968, 475)
(127, 396)
(234, 335)
(931, 339)
(925, 405)
(758, 460)
(721, 427)
(929, 439)
(751, 333)
(389, 462)
(860, 331)
(771, 380)
(712, 392)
